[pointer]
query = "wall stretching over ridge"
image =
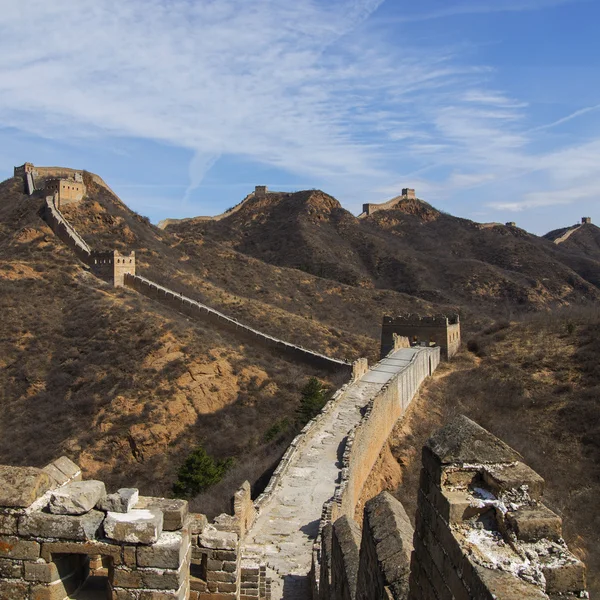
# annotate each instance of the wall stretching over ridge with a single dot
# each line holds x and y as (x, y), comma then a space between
(64, 231)
(202, 312)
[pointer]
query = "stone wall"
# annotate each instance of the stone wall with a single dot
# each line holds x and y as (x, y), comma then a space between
(439, 330)
(482, 532)
(64, 231)
(481, 528)
(54, 528)
(66, 191)
(385, 550)
(202, 312)
(365, 442)
(369, 209)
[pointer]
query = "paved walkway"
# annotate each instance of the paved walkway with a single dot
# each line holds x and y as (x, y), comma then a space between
(284, 532)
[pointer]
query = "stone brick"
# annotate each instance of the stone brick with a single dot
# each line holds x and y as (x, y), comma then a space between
(67, 527)
(214, 565)
(122, 501)
(11, 569)
(76, 498)
(13, 547)
(130, 556)
(175, 512)
(90, 548)
(68, 467)
(227, 587)
(8, 524)
(14, 590)
(531, 524)
(51, 591)
(218, 540)
(516, 477)
(41, 572)
(134, 527)
(221, 576)
(564, 576)
(225, 555)
(168, 552)
(56, 475)
(197, 523)
(21, 486)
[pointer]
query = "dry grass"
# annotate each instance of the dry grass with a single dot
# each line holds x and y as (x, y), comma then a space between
(535, 384)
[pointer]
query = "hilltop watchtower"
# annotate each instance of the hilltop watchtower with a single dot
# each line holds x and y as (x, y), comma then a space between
(586, 220)
(113, 265)
(260, 191)
(409, 193)
(68, 190)
(437, 330)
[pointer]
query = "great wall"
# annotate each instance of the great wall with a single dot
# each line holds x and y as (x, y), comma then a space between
(481, 528)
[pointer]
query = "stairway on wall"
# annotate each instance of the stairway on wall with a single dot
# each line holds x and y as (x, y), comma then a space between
(287, 526)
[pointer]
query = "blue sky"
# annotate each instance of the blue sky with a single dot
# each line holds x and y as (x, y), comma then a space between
(490, 109)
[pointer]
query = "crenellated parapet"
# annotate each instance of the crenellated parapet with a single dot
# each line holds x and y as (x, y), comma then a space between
(429, 330)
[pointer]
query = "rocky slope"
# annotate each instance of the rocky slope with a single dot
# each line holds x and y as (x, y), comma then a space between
(413, 249)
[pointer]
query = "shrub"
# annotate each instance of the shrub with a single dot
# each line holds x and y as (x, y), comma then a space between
(199, 472)
(276, 429)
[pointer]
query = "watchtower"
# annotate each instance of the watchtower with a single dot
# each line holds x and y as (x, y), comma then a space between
(24, 169)
(113, 265)
(260, 191)
(436, 330)
(69, 190)
(409, 193)
(586, 220)
(511, 224)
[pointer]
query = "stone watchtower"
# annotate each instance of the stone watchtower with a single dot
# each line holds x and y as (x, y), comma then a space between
(260, 191)
(438, 330)
(113, 265)
(409, 193)
(586, 220)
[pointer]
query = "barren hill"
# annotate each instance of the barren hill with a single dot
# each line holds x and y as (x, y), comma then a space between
(413, 249)
(585, 238)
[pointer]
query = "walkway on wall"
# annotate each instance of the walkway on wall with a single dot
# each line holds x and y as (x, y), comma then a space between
(287, 526)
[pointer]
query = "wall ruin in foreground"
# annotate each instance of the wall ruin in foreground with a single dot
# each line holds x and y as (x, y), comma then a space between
(482, 532)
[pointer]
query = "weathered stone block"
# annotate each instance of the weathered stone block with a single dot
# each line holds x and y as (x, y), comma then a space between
(13, 547)
(21, 486)
(130, 556)
(168, 552)
(68, 467)
(8, 524)
(122, 501)
(13, 590)
(48, 591)
(41, 572)
(564, 576)
(76, 498)
(218, 540)
(89, 547)
(134, 527)
(175, 511)
(227, 587)
(518, 478)
(531, 524)
(197, 523)
(221, 576)
(11, 569)
(66, 527)
(57, 476)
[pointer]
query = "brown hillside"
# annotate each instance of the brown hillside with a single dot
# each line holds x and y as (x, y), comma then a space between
(535, 384)
(116, 382)
(585, 239)
(413, 249)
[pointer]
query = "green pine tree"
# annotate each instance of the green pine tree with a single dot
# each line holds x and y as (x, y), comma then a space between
(199, 472)
(314, 397)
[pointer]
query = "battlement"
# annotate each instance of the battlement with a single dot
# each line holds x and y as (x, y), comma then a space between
(430, 330)
(586, 220)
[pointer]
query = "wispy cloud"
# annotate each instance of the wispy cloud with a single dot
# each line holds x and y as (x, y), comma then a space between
(305, 86)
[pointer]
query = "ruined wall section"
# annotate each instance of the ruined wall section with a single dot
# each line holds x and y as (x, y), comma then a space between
(481, 528)
(441, 330)
(202, 312)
